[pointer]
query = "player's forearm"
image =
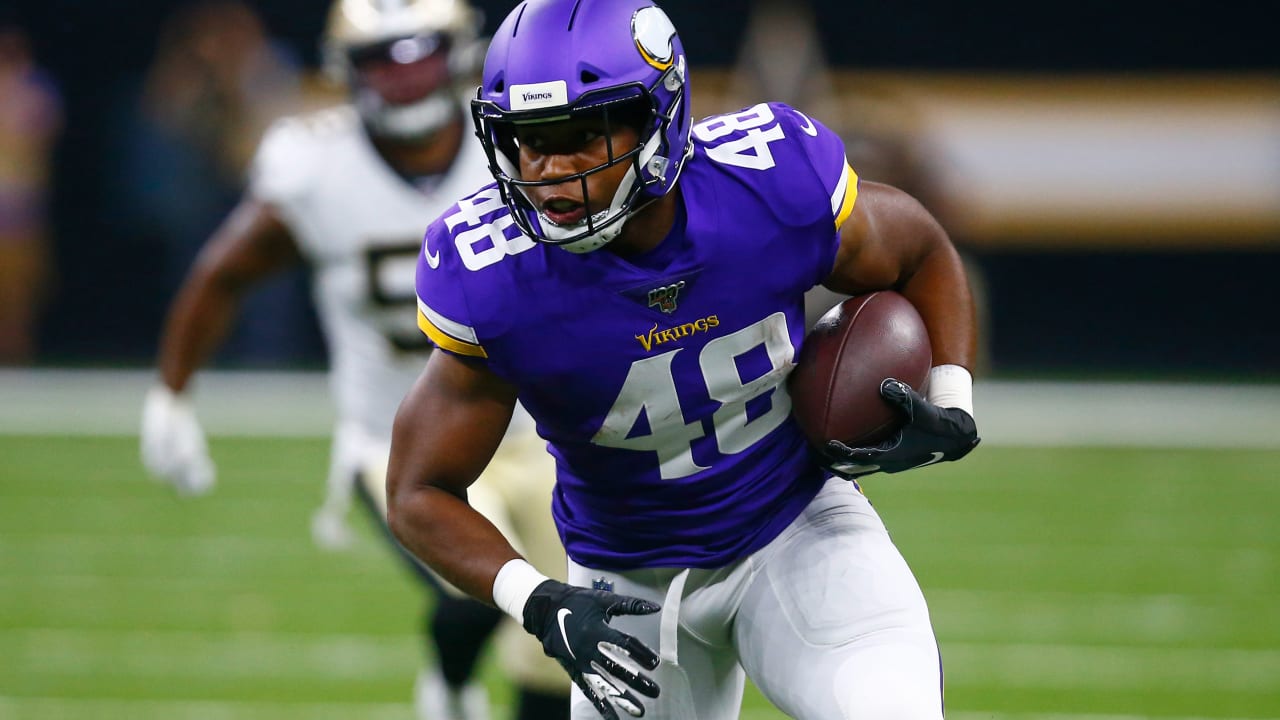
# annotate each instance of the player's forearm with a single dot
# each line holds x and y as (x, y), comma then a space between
(450, 537)
(251, 245)
(939, 290)
(446, 431)
(198, 322)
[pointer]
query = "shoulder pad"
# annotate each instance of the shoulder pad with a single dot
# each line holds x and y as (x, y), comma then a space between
(290, 150)
(795, 160)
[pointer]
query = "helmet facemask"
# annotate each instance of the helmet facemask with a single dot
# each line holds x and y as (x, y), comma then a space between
(403, 61)
(403, 88)
(646, 179)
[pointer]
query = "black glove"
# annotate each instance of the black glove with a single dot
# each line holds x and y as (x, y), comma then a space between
(573, 625)
(932, 434)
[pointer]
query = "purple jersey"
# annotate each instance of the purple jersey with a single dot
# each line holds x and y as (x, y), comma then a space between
(659, 382)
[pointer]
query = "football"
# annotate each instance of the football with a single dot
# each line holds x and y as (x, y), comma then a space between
(835, 386)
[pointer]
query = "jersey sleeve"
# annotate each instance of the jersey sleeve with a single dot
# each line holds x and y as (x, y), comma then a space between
(282, 165)
(820, 169)
(467, 282)
(824, 152)
(443, 314)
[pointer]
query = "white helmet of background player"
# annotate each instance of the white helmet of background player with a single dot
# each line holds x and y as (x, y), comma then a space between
(402, 60)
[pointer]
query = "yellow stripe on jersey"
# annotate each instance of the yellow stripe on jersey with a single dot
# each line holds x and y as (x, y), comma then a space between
(446, 341)
(845, 196)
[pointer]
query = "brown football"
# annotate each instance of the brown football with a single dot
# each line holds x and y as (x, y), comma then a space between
(835, 387)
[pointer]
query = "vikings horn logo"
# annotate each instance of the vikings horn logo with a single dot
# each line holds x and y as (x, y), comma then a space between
(664, 298)
(653, 31)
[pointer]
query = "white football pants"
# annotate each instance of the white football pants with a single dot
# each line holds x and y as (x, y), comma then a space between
(827, 620)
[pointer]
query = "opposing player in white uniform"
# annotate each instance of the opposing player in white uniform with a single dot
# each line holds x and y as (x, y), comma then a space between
(348, 192)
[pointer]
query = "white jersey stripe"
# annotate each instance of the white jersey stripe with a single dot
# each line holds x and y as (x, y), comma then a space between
(457, 330)
(845, 196)
(837, 195)
(447, 334)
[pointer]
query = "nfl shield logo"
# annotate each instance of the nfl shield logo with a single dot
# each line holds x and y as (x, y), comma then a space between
(664, 298)
(602, 583)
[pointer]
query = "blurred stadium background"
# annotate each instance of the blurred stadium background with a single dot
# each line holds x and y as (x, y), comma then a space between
(1111, 171)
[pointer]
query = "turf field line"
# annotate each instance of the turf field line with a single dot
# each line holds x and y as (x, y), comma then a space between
(1211, 620)
(1240, 564)
(1251, 525)
(1080, 617)
(20, 708)
(302, 582)
(161, 504)
(43, 549)
(1084, 599)
(1189, 554)
(1237, 570)
(164, 566)
(1129, 668)
(1237, 558)
(165, 585)
(988, 715)
(205, 655)
(1020, 413)
(109, 402)
(1106, 414)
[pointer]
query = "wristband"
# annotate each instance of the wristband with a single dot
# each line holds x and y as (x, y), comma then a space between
(951, 386)
(513, 586)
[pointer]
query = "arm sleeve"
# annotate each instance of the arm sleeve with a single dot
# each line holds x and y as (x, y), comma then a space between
(281, 166)
(819, 154)
(442, 309)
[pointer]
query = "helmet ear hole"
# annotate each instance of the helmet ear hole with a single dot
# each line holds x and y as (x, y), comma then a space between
(589, 77)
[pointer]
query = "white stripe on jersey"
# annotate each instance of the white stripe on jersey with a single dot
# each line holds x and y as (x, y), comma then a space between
(455, 329)
(837, 196)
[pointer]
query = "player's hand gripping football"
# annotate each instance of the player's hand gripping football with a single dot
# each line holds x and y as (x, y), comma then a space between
(173, 444)
(932, 434)
(606, 664)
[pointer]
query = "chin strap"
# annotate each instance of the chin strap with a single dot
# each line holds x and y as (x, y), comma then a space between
(595, 240)
(610, 232)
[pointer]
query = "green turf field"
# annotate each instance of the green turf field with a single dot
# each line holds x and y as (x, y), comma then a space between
(1064, 583)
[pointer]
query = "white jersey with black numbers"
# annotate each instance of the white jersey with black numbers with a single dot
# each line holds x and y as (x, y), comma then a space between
(359, 227)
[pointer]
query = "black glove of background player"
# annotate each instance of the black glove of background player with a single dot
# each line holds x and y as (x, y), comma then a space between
(573, 625)
(932, 434)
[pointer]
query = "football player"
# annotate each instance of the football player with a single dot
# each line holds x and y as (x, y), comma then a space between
(348, 192)
(636, 280)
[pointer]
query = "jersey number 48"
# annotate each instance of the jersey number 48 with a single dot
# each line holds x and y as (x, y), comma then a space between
(650, 389)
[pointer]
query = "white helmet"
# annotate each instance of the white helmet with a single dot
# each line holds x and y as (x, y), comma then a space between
(401, 60)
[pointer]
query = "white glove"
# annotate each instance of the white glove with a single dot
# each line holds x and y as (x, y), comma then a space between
(173, 445)
(329, 529)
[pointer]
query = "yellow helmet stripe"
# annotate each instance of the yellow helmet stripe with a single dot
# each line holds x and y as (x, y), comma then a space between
(662, 65)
